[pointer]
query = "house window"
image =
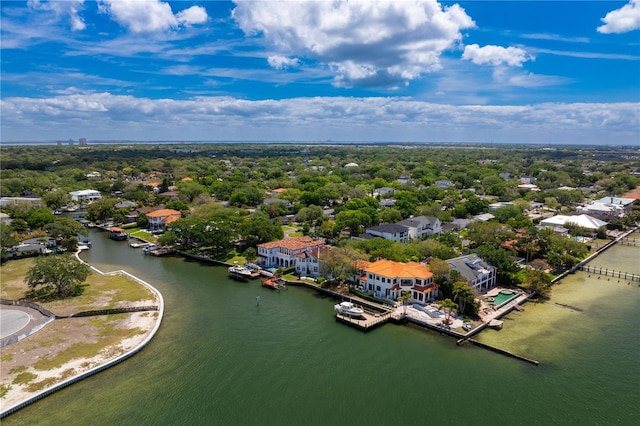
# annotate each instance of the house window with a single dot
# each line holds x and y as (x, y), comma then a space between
(377, 288)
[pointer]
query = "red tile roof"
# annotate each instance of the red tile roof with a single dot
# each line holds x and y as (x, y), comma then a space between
(163, 213)
(297, 243)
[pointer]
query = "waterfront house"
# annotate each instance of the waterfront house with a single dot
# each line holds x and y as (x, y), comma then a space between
(479, 274)
(283, 253)
(31, 247)
(159, 219)
(308, 262)
(387, 279)
(85, 195)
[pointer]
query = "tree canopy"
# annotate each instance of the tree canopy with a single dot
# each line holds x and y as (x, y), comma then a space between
(57, 276)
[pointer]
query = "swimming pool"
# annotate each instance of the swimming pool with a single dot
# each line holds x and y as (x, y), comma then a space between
(503, 297)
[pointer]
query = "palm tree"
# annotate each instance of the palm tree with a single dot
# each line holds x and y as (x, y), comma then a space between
(404, 298)
(462, 293)
(448, 306)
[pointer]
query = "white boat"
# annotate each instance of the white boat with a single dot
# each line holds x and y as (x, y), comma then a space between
(266, 273)
(240, 272)
(348, 309)
(150, 247)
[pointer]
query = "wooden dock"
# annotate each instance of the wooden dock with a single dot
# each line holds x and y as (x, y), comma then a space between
(366, 322)
(610, 273)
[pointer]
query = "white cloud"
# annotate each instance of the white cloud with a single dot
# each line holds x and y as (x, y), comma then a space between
(622, 20)
(193, 15)
(496, 55)
(281, 62)
(70, 9)
(151, 15)
(101, 116)
(365, 42)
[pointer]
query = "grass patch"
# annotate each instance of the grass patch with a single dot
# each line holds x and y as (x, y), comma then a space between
(295, 234)
(69, 372)
(24, 377)
(43, 384)
(18, 369)
(4, 389)
(12, 276)
(109, 338)
(6, 357)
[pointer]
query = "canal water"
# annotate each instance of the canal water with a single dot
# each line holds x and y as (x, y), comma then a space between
(222, 358)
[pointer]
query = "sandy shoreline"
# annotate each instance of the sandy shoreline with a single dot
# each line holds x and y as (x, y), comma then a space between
(22, 381)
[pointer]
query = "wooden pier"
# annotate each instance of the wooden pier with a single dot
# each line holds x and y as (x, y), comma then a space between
(634, 242)
(366, 322)
(610, 273)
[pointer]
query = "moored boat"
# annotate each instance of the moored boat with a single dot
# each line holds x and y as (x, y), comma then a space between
(272, 282)
(239, 272)
(348, 309)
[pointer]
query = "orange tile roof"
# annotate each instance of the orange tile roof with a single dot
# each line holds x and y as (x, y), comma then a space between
(279, 190)
(634, 193)
(163, 212)
(297, 243)
(171, 219)
(153, 184)
(186, 179)
(391, 269)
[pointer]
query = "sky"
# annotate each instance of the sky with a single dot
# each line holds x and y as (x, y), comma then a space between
(549, 72)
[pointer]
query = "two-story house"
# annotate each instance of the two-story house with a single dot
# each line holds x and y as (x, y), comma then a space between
(308, 262)
(282, 253)
(85, 195)
(159, 219)
(390, 231)
(479, 274)
(387, 279)
(421, 227)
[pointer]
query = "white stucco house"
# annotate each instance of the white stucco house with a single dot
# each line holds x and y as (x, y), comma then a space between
(283, 253)
(421, 227)
(387, 279)
(85, 195)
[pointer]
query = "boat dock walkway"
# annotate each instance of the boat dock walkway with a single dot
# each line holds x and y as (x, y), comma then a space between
(368, 321)
(610, 272)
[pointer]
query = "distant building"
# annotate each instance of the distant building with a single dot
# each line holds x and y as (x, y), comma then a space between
(583, 221)
(30, 201)
(444, 184)
(85, 195)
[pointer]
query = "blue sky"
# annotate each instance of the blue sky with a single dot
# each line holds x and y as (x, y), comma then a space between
(406, 70)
